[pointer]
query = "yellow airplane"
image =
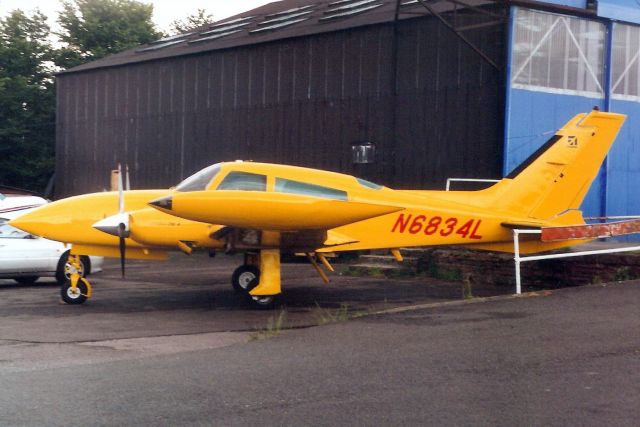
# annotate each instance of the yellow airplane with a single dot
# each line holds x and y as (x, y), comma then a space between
(267, 209)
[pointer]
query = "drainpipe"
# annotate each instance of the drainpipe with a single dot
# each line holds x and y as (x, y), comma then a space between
(507, 98)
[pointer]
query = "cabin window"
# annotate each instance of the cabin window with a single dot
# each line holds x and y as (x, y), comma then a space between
(296, 187)
(244, 181)
(200, 180)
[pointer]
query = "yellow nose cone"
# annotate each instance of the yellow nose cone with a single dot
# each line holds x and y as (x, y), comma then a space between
(34, 222)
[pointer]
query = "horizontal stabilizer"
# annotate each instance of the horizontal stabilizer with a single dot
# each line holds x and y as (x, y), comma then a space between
(590, 231)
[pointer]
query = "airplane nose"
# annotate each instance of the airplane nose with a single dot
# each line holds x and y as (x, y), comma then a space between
(36, 222)
(164, 203)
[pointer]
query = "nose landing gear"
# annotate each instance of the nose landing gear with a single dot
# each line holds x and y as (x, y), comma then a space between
(76, 289)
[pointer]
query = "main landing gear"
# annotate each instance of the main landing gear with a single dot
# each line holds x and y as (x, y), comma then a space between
(75, 289)
(259, 279)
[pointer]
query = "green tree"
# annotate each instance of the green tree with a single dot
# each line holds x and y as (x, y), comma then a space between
(92, 29)
(191, 22)
(27, 101)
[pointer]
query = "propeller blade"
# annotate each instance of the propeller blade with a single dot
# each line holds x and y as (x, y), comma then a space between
(127, 182)
(121, 235)
(120, 190)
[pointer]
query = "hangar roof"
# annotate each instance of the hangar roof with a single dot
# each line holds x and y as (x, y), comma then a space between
(274, 21)
(281, 20)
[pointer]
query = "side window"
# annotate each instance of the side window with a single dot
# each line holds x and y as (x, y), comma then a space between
(296, 187)
(244, 181)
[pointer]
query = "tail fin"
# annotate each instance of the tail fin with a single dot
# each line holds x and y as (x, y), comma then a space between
(556, 178)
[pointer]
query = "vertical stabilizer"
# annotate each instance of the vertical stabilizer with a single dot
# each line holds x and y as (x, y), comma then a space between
(556, 178)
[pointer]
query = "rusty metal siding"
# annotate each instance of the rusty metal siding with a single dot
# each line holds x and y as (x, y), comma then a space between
(301, 101)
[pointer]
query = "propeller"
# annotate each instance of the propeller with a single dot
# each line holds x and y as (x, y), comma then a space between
(122, 233)
(118, 224)
(123, 228)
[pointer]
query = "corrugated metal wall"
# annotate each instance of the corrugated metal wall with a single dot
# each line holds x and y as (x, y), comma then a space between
(449, 113)
(301, 101)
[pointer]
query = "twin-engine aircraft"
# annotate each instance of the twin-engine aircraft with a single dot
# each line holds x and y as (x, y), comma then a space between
(265, 210)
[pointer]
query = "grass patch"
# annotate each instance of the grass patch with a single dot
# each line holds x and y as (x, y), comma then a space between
(378, 272)
(444, 273)
(623, 274)
(467, 283)
(375, 272)
(351, 272)
(402, 273)
(274, 327)
(354, 271)
(327, 315)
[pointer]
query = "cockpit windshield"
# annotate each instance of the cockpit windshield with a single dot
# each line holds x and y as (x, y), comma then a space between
(369, 184)
(200, 180)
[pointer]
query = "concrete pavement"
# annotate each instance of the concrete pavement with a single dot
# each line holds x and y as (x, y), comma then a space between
(168, 357)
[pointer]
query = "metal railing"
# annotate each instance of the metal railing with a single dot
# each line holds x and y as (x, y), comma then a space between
(520, 259)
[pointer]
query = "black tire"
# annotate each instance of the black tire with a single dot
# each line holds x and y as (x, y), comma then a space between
(26, 280)
(243, 278)
(263, 302)
(62, 271)
(70, 297)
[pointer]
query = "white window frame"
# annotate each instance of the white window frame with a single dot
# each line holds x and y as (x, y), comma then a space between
(559, 21)
(622, 78)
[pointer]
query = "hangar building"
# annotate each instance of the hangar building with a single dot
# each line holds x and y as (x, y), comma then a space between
(424, 89)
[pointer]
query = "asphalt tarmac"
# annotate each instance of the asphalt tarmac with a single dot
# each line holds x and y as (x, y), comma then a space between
(173, 345)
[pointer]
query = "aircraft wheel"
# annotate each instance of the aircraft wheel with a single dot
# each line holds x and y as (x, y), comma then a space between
(64, 269)
(243, 276)
(263, 302)
(71, 296)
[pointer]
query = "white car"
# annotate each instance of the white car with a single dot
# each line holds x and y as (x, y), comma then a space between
(25, 257)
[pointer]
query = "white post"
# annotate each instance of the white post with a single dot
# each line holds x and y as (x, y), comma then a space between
(516, 258)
